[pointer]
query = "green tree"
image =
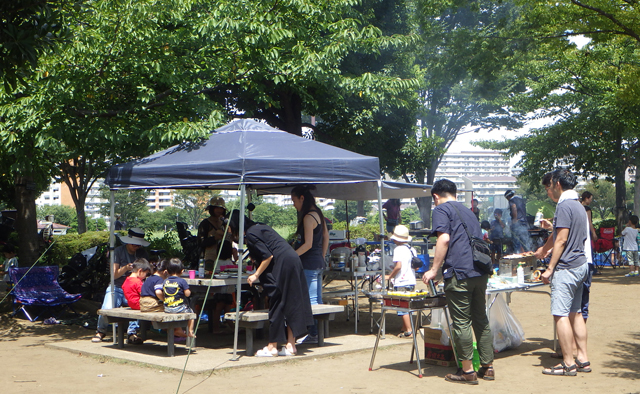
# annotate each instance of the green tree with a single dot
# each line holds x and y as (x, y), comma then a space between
(131, 205)
(193, 205)
(340, 211)
(275, 215)
(61, 213)
(465, 76)
(29, 28)
(586, 91)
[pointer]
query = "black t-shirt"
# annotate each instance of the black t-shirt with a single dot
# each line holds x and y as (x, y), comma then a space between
(459, 258)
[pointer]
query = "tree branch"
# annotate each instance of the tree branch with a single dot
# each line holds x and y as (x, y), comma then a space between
(609, 16)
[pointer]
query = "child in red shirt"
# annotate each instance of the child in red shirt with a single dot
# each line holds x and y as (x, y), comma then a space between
(132, 286)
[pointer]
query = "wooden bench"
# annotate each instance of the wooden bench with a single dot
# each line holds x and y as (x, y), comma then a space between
(159, 320)
(254, 320)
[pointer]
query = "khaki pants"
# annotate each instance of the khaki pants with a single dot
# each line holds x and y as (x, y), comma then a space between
(151, 304)
(466, 300)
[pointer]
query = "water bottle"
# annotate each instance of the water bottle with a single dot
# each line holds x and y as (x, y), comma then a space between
(536, 222)
(201, 268)
(520, 274)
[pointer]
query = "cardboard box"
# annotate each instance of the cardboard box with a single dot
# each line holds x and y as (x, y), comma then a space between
(438, 352)
(432, 333)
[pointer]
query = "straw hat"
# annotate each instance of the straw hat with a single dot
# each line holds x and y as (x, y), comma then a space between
(401, 234)
(135, 237)
(217, 202)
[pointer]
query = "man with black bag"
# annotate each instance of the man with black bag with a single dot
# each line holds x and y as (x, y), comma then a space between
(465, 281)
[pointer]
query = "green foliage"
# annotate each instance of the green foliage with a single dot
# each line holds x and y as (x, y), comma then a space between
(608, 223)
(192, 205)
(548, 208)
(340, 213)
(62, 214)
(169, 241)
(275, 215)
(27, 29)
(368, 230)
(66, 246)
(131, 205)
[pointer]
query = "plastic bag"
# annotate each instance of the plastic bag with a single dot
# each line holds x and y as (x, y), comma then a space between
(506, 329)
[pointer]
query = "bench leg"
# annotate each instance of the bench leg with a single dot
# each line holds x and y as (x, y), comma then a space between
(121, 329)
(171, 349)
(249, 332)
(321, 329)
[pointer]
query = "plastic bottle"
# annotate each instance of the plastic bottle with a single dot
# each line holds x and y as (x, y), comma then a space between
(520, 274)
(201, 268)
(536, 222)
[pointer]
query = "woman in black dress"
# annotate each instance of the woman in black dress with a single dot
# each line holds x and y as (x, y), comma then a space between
(282, 277)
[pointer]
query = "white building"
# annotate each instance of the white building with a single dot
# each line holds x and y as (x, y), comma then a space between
(487, 173)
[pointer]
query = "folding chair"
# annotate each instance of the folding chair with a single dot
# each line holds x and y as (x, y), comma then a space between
(39, 288)
(605, 249)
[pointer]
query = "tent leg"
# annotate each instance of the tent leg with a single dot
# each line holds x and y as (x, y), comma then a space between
(243, 193)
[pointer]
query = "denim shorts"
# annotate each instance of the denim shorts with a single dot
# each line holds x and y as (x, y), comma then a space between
(566, 290)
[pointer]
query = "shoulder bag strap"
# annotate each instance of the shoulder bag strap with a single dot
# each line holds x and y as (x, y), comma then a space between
(411, 250)
(463, 223)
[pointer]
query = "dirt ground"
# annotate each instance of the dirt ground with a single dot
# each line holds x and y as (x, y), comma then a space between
(28, 366)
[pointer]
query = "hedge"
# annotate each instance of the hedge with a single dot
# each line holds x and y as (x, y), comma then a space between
(65, 246)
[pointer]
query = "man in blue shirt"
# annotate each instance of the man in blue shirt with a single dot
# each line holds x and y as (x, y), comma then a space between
(464, 285)
(519, 225)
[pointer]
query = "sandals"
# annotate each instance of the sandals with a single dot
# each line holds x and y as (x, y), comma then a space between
(406, 334)
(265, 352)
(285, 352)
(134, 340)
(583, 367)
(561, 370)
(99, 337)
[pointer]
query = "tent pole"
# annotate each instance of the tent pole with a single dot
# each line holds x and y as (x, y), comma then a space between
(112, 244)
(243, 192)
(382, 233)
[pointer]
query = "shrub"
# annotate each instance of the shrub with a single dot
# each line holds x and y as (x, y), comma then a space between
(65, 246)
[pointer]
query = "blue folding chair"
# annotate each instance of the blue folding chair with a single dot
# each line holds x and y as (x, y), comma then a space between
(38, 288)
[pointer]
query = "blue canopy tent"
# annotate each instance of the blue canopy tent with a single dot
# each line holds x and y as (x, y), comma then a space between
(247, 154)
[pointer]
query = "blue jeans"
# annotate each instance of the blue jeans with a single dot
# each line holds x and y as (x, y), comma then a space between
(314, 284)
(520, 237)
(120, 300)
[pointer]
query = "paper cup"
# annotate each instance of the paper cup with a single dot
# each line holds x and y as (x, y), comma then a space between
(192, 274)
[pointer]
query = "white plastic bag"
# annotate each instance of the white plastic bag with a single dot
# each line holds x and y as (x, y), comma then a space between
(506, 329)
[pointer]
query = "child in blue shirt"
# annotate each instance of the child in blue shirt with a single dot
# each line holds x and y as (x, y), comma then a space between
(176, 290)
(496, 233)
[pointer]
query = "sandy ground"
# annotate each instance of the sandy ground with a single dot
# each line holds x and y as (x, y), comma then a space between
(29, 366)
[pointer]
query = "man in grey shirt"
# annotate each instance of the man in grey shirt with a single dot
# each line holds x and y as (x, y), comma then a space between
(567, 270)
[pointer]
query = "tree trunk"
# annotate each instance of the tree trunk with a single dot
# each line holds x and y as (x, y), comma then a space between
(26, 220)
(292, 113)
(621, 191)
(80, 213)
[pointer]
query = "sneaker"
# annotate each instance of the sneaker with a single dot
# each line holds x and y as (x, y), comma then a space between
(629, 275)
(462, 377)
(307, 339)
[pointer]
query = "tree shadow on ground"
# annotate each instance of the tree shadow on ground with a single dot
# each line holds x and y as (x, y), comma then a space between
(627, 359)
